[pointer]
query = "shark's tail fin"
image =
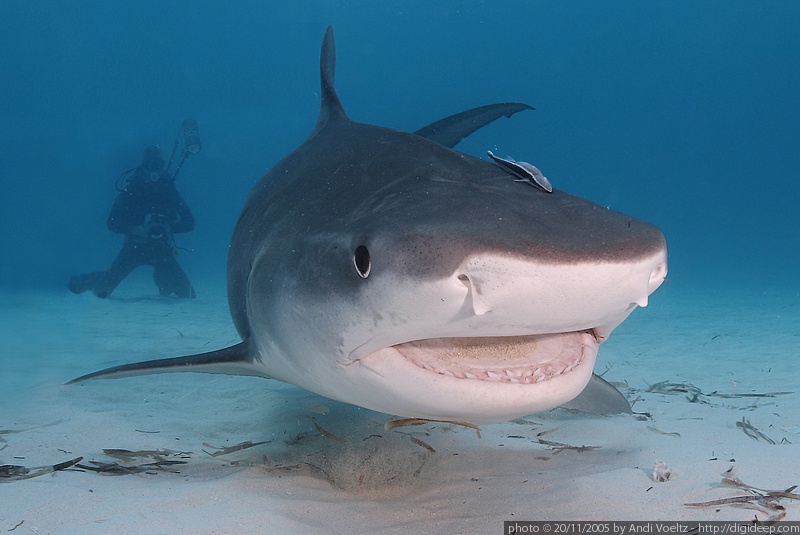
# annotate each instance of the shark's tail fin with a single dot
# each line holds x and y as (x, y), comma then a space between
(331, 106)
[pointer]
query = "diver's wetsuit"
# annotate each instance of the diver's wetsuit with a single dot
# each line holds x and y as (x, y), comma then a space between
(148, 212)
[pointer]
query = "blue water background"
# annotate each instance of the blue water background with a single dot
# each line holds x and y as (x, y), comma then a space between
(681, 113)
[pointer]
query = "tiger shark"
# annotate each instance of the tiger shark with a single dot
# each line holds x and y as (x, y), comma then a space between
(387, 270)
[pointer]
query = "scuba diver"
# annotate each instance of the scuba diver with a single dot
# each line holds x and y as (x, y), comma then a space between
(148, 210)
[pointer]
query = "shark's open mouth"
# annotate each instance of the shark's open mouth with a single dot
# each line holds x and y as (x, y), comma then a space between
(509, 359)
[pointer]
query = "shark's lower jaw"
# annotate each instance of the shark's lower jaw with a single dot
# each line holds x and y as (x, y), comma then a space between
(509, 359)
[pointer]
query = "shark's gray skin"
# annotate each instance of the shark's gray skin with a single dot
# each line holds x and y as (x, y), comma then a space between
(387, 270)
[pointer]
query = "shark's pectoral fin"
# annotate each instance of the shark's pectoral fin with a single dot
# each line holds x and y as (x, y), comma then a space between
(234, 360)
(451, 130)
(600, 397)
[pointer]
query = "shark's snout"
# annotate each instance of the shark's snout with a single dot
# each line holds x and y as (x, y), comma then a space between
(517, 295)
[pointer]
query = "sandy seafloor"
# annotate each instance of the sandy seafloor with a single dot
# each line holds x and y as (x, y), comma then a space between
(350, 475)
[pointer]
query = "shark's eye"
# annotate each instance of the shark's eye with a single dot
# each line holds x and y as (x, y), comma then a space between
(362, 261)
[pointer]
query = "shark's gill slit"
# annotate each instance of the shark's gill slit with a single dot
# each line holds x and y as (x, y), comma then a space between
(362, 261)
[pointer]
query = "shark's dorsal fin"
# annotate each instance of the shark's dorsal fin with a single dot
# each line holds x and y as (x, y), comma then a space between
(331, 107)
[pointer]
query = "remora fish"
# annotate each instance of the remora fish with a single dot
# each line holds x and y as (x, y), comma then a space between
(384, 269)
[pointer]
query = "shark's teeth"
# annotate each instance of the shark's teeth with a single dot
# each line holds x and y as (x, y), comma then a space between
(538, 358)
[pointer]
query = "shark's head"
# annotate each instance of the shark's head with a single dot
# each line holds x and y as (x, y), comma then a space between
(423, 282)
(386, 270)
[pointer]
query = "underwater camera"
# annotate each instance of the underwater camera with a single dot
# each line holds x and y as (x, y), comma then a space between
(191, 144)
(156, 226)
(191, 136)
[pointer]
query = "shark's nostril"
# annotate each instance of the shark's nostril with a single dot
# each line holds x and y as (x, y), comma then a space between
(474, 298)
(658, 275)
